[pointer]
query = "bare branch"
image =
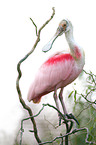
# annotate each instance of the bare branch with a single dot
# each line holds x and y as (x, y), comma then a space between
(85, 97)
(70, 133)
(58, 137)
(91, 75)
(20, 74)
(34, 25)
(83, 110)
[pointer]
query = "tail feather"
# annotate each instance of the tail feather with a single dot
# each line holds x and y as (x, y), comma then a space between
(36, 98)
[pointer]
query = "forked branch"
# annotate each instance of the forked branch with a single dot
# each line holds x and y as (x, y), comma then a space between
(74, 131)
(26, 107)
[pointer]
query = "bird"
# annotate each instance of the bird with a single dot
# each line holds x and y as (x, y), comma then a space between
(60, 69)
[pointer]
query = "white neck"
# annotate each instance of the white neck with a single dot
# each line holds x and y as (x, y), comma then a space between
(70, 39)
(75, 49)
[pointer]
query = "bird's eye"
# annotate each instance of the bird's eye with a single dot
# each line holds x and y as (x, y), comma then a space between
(64, 25)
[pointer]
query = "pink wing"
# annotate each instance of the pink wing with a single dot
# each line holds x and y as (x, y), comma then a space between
(50, 75)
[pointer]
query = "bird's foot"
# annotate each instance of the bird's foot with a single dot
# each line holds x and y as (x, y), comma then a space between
(67, 118)
(71, 116)
(62, 117)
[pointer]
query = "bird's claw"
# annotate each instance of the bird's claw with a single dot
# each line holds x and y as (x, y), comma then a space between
(60, 118)
(71, 116)
(67, 116)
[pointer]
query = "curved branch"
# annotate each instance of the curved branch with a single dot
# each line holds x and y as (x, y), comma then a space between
(72, 132)
(58, 137)
(20, 74)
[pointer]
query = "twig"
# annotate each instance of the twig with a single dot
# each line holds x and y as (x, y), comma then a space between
(83, 110)
(44, 105)
(61, 143)
(62, 115)
(34, 25)
(20, 74)
(25, 119)
(72, 132)
(91, 75)
(58, 137)
(85, 97)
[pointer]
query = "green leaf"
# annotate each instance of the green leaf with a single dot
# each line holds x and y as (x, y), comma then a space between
(89, 78)
(70, 94)
(75, 96)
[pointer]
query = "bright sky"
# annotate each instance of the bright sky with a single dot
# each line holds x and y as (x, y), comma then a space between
(17, 35)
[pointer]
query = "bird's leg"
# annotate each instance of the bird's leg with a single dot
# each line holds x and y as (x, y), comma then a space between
(62, 101)
(69, 116)
(56, 99)
(57, 105)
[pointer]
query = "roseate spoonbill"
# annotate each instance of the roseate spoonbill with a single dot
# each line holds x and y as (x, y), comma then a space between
(60, 69)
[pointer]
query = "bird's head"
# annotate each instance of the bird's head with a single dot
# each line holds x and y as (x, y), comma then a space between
(64, 27)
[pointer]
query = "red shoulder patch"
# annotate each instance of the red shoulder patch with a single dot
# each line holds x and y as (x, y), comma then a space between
(59, 58)
(77, 52)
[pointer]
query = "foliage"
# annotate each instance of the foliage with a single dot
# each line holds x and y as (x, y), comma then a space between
(85, 111)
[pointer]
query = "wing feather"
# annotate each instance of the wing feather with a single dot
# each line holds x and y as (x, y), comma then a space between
(55, 70)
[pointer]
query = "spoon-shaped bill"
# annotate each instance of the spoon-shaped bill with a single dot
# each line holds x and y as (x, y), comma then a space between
(48, 46)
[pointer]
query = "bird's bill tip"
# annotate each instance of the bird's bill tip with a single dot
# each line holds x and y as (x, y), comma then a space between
(48, 46)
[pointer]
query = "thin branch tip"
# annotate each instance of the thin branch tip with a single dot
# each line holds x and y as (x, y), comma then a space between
(26, 107)
(53, 8)
(34, 25)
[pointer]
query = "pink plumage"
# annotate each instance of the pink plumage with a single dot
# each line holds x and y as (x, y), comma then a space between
(59, 70)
